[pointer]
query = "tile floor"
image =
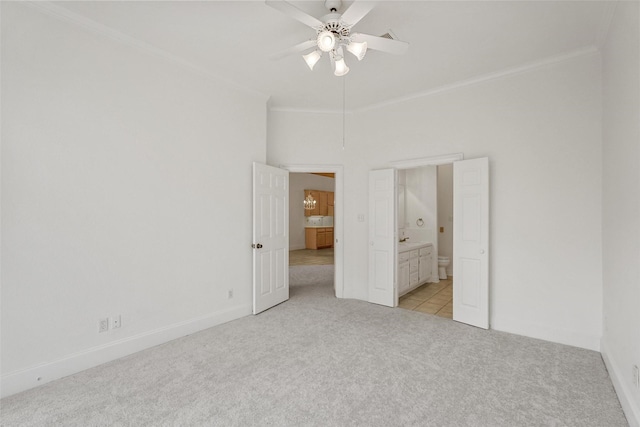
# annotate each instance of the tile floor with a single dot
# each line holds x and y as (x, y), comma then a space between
(311, 257)
(432, 298)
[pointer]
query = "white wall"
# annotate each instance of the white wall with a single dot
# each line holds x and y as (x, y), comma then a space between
(298, 182)
(126, 189)
(542, 133)
(421, 196)
(621, 205)
(445, 213)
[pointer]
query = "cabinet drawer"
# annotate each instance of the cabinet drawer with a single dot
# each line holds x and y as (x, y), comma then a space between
(426, 251)
(414, 254)
(403, 257)
(413, 265)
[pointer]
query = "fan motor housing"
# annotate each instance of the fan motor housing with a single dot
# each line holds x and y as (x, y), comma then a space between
(333, 23)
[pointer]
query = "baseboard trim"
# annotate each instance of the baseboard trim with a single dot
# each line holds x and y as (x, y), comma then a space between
(630, 406)
(25, 379)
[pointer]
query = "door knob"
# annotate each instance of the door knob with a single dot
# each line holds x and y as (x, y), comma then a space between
(481, 251)
(258, 246)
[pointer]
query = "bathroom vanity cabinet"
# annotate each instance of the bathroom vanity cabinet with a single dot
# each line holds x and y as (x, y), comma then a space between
(415, 266)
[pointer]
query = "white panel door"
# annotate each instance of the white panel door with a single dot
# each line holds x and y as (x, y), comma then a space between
(270, 236)
(382, 237)
(470, 242)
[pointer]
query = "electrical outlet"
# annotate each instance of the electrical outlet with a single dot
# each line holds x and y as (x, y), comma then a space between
(636, 376)
(103, 325)
(116, 322)
(230, 294)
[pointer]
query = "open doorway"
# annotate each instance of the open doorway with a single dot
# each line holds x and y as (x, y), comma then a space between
(425, 228)
(311, 218)
(470, 237)
(316, 234)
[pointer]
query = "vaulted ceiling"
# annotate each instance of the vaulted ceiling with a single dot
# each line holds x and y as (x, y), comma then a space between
(450, 42)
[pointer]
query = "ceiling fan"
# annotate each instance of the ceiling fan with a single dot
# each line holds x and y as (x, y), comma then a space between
(333, 34)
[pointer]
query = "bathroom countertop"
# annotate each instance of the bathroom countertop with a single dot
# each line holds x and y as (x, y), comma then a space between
(318, 226)
(407, 246)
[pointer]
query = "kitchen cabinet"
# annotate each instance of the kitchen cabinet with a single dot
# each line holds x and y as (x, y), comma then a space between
(321, 197)
(318, 237)
(415, 265)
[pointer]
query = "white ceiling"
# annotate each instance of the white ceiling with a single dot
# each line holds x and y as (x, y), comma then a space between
(450, 41)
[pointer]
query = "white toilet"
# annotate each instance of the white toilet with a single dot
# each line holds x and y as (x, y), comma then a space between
(443, 263)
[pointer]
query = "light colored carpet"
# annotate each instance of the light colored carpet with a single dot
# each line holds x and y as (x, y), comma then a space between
(317, 360)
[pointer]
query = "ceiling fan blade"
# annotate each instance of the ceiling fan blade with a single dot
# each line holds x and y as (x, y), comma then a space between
(356, 12)
(295, 13)
(300, 47)
(382, 44)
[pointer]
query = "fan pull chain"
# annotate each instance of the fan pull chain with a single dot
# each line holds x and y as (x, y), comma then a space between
(344, 112)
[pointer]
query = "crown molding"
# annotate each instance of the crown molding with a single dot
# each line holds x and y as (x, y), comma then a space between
(309, 110)
(605, 23)
(508, 72)
(95, 27)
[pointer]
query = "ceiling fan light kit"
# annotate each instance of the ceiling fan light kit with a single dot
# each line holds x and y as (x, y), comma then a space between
(340, 66)
(358, 49)
(333, 33)
(312, 58)
(326, 41)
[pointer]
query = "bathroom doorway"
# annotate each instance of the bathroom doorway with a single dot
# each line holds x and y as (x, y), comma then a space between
(470, 236)
(425, 214)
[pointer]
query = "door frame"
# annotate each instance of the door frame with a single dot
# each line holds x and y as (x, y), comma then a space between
(338, 219)
(428, 161)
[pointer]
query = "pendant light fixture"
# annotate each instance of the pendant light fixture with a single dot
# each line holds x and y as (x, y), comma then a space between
(309, 202)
